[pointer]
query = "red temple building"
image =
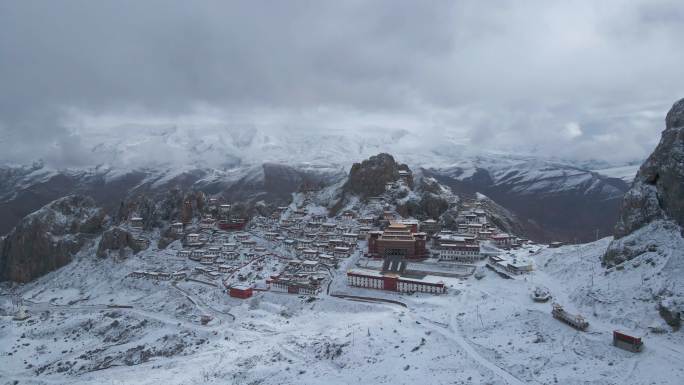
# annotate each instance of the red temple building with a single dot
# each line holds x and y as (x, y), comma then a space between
(397, 240)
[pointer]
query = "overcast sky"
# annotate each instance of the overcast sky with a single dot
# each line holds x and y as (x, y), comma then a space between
(577, 80)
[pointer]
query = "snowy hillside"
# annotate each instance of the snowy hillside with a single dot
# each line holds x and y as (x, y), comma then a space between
(26, 189)
(482, 331)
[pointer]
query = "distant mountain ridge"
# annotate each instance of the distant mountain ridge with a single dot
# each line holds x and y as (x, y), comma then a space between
(567, 202)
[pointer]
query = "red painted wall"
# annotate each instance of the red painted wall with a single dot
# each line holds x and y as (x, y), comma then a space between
(390, 283)
(238, 293)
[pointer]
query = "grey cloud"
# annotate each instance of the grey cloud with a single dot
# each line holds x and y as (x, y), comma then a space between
(499, 75)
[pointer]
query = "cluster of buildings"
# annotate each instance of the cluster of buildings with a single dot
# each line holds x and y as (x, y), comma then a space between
(311, 237)
(303, 283)
(219, 252)
(302, 249)
(467, 243)
(215, 252)
(404, 241)
(310, 244)
(159, 275)
(399, 243)
(136, 225)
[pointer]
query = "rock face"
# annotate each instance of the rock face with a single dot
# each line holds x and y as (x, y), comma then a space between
(658, 189)
(430, 202)
(116, 239)
(657, 193)
(159, 208)
(48, 238)
(368, 178)
(24, 190)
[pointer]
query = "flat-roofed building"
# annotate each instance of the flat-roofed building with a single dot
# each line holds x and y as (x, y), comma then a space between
(294, 285)
(341, 252)
(309, 266)
(460, 253)
(372, 279)
(137, 222)
(309, 254)
(177, 228)
(430, 227)
(503, 240)
(412, 224)
(241, 292)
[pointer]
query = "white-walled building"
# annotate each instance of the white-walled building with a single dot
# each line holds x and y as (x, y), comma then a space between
(372, 279)
(459, 252)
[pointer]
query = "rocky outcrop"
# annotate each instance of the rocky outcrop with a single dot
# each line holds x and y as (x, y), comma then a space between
(48, 238)
(167, 237)
(657, 193)
(670, 313)
(116, 239)
(648, 233)
(430, 200)
(271, 185)
(160, 208)
(369, 178)
(658, 189)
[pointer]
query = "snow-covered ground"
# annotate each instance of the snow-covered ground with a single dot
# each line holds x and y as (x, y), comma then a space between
(485, 331)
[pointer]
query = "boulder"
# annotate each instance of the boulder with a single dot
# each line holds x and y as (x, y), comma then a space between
(669, 312)
(116, 239)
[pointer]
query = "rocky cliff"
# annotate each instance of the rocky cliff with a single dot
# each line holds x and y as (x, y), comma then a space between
(116, 239)
(657, 193)
(658, 189)
(649, 228)
(427, 200)
(370, 177)
(48, 238)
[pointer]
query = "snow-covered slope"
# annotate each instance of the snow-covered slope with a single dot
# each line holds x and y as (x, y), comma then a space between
(485, 331)
(26, 189)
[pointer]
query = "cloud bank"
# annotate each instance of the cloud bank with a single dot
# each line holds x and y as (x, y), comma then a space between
(577, 80)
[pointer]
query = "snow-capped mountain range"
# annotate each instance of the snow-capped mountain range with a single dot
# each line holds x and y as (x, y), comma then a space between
(216, 159)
